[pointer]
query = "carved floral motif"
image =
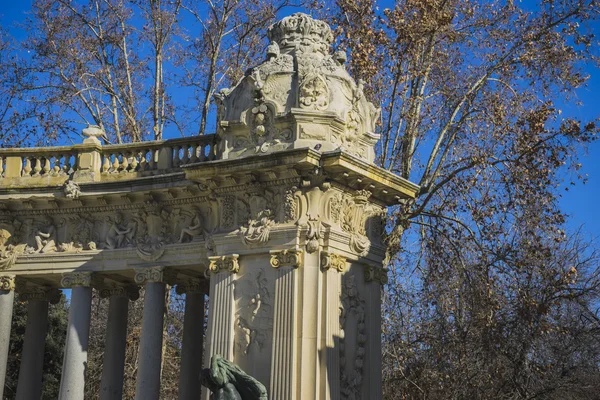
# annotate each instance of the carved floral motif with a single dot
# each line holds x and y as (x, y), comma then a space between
(314, 93)
(258, 230)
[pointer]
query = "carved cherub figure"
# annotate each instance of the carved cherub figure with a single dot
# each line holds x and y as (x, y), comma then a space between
(45, 237)
(196, 227)
(227, 381)
(119, 234)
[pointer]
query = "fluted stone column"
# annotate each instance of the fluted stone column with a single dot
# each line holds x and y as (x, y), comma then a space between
(150, 353)
(222, 313)
(7, 299)
(32, 359)
(193, 333)
(111, 384)
(333, 265)
(72, 383)
(221, 317)
(283, 358)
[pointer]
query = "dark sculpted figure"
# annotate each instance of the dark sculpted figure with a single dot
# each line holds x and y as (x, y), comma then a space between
(227, 381)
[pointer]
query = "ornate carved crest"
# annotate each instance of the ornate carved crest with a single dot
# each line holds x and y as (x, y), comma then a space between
(313, 93)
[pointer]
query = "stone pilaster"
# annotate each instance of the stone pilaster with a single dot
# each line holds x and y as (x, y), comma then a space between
(72, 384)
(193, 333)
(150, 353)
(7, 299)
(283, 359)
(32, 359)
(333, 265)
(221, 321)
(375, 277)
(220, 338)
(111, 384)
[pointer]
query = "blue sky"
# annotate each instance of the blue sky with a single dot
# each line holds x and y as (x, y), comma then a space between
(580, 201)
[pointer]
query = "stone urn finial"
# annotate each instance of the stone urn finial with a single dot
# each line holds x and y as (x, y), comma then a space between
(93, 133)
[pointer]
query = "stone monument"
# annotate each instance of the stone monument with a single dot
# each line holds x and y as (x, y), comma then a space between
(277, 218)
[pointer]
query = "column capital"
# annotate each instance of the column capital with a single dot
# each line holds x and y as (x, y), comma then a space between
(73, 279)
(375, 273)
(227, 263)
(193, 285)
(333, 261)
(286, 258)
(7, 283)
(36, 292)
(148, 275)
(132, 292)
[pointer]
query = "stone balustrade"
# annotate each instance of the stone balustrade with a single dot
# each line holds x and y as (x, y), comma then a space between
(45, 166)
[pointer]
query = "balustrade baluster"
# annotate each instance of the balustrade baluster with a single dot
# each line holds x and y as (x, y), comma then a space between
(193, 153)
(143, 161)
(124, 163)
(27, 168)
(56, 168)
(1, 167)
(115, 164)
(185, 158)
(37, 168)
(46, 168)
(134, 161)
(176, 159)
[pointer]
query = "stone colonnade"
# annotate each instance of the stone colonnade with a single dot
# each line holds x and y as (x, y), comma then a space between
(72, 385)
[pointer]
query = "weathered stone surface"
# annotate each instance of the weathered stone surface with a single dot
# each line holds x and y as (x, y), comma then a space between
(277, 216)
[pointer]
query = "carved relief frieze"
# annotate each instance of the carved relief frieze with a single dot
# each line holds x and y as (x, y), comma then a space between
(254, 317)
(227, 263)
(352, 319)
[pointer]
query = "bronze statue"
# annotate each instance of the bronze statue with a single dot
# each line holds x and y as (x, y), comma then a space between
(227, 381)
